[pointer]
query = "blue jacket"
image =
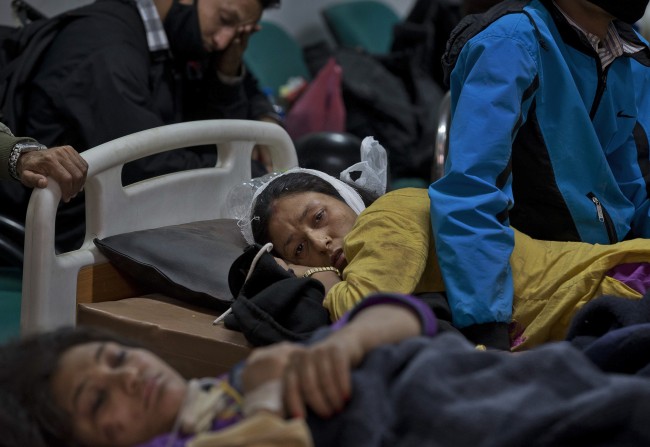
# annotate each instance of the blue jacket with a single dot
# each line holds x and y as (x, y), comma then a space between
(543, 139)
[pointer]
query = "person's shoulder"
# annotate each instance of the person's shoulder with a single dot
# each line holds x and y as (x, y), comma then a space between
(523, 25)
(106, 26)
(406, 192)
(402, 198)
(105, 19)
(510, 26)
(105, 8)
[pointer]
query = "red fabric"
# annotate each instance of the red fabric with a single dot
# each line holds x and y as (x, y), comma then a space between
(320, 108)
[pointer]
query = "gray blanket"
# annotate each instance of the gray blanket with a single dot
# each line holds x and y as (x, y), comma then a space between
(442, 392)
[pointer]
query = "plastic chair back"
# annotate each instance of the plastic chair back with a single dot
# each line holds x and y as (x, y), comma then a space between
(274, 56)
(365, 24)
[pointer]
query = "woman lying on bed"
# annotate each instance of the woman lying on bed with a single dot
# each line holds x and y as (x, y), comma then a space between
(352, 386)
(315, 220)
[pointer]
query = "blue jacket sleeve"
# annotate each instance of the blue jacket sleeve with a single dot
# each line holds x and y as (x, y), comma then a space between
(632, 165)
(491, 86)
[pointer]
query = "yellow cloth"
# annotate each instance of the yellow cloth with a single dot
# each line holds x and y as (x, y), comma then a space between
(390, 249)
(260, 430)
(552, 280)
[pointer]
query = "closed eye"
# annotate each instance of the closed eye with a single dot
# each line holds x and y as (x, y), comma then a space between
(100, 398)
(229, 19)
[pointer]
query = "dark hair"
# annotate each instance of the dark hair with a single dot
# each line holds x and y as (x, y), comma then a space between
(286, 185)
(17, 428)
(269, 3)
(26, 369)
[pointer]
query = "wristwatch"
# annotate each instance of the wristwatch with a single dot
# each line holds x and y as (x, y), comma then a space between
(18, 149)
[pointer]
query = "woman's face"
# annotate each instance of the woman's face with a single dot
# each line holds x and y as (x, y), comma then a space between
(116, 395)
(308, 229)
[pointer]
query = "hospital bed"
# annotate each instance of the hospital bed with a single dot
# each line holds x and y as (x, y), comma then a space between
(82, 287)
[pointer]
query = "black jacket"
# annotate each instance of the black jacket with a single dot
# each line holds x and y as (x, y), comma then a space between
(98, 81)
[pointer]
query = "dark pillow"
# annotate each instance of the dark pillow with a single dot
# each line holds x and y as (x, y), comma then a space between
(189, 262)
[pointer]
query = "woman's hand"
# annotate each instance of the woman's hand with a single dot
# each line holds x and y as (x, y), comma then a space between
(267, 364)
(319, 377)
(316, 376)
(263, 377)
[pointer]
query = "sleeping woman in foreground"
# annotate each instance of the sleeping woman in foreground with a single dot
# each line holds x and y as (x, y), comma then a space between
(333, 232)
(350, 386)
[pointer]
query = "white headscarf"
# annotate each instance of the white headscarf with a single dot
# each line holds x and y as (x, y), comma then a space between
(373, 175)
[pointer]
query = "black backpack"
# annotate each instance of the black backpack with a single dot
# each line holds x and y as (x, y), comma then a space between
(20, 51)
(389, 97)
(423, 34)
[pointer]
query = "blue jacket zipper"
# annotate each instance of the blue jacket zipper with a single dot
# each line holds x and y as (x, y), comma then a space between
(604, 217)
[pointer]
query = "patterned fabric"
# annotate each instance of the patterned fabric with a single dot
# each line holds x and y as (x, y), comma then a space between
(608, 49)
(156, 37)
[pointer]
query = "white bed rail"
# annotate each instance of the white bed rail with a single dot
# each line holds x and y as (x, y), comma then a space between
(50, 280)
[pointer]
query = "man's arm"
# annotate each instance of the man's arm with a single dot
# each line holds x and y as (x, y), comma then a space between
(7, 142)
(469, 205)
(32, 168)
(631, 163)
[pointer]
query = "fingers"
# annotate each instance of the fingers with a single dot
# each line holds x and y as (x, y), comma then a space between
(316, 376)
(70, 173)
(244, 31)
(293, 402)
(63, 164)
(33, 180)
(318, 379)
(266, 364)
(323, 383)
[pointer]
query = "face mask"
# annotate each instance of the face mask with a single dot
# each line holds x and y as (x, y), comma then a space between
(629, 11)
(183, 31)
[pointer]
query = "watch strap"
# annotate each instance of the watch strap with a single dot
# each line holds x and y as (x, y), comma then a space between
(17, 150)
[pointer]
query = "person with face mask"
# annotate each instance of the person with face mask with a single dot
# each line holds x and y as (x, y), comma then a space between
(549, 135)
(116, 67)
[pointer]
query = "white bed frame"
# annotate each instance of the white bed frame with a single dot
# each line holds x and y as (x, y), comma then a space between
(50, 281)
